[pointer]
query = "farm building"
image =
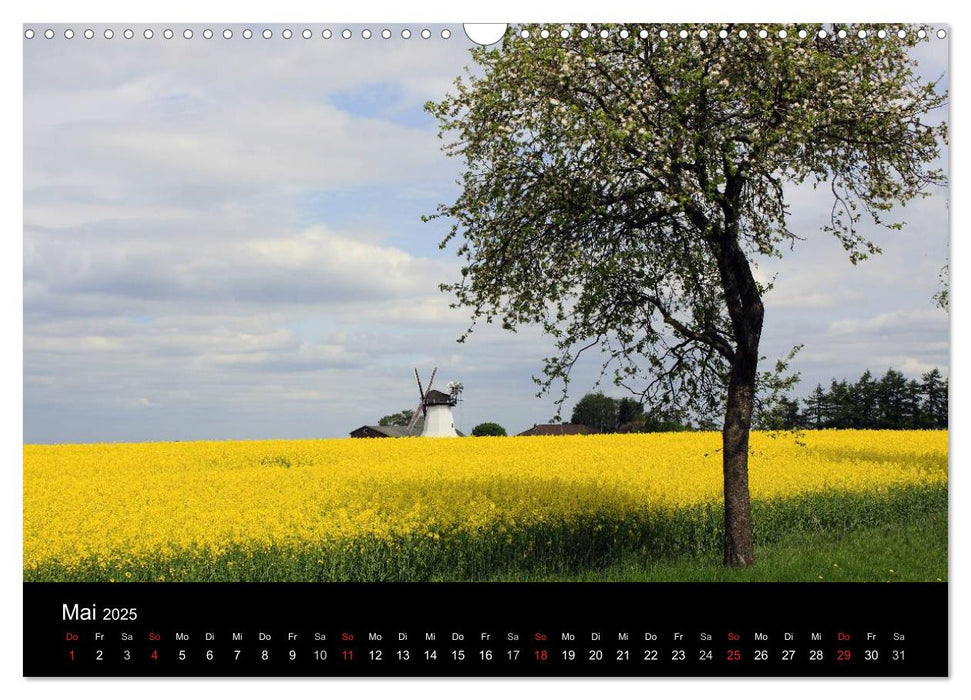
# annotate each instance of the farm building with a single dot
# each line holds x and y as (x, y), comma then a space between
(391, 431)
(383, 431)
(557, 429)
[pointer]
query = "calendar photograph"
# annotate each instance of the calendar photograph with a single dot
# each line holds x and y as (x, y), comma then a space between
(562, 303)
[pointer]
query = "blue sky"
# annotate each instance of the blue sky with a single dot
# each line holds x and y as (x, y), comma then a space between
(222, 240)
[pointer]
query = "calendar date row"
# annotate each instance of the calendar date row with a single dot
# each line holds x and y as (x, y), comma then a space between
(539, 655)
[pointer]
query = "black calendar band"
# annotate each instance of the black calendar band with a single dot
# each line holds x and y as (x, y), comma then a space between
(445, 629)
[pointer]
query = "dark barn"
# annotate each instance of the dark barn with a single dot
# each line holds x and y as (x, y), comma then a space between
(557, 429)
(384, 431)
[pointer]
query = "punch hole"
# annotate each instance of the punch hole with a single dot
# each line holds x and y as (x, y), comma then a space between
(366, 34)
(168, 34)
(941, 34)
(247, 33)
(385, 33)
(485, 34)
(68, 33)
(327, 34)
(129, 33)
(425, 34)
(346, 34)
(306, 34)
(267, 34)
(109, 33)
(187, 34)
(29, 34)
(148, 34)
(446, 34)
(405, 33)
(207, 34)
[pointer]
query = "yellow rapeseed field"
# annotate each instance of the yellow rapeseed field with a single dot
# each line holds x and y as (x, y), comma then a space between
(131, 510)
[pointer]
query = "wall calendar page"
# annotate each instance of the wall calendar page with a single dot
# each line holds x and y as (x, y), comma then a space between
(486, 350)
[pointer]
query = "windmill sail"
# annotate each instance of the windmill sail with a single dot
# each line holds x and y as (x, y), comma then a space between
(430, 380)
(421, 392)
(420, 410)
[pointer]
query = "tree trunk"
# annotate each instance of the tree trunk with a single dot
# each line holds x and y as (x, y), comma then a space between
(739, 549)
(744, 302)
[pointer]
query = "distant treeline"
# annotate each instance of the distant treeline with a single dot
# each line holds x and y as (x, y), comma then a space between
(892, 402)
(605, 414)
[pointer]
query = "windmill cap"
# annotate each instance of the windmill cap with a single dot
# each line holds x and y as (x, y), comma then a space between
(437, 398)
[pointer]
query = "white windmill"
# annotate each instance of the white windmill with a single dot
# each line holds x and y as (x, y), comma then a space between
(436, 407)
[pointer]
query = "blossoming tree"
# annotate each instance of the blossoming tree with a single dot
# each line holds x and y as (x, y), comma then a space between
(619, 188)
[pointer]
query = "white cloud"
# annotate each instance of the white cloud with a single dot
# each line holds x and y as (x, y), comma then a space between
(810, 299)
(313, 267)
(902, 322)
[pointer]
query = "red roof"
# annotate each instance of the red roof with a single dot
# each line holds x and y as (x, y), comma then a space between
(558, 429)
